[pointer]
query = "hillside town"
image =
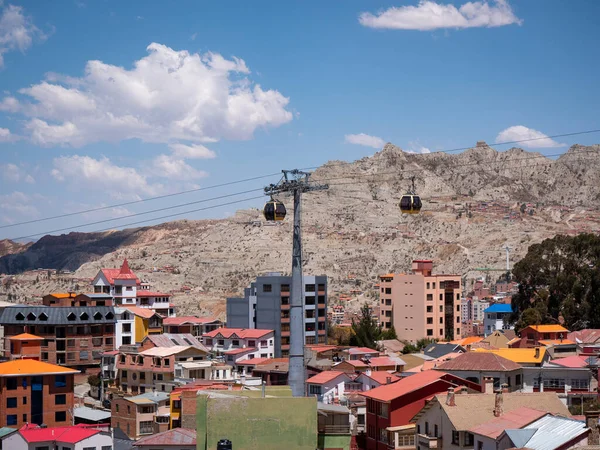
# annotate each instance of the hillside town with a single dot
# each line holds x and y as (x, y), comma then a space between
(115, 367)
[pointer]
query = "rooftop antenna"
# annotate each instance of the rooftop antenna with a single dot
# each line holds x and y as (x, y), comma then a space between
(296, 182)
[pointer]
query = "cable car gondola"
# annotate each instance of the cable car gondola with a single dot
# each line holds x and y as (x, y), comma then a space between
(274, 210)
(410, 203)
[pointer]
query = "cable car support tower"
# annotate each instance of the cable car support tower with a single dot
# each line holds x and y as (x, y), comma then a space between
(296, 183)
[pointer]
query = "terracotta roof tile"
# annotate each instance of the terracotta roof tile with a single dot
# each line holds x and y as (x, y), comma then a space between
(406, 385)
(242, 333)
(479, 361)
(327, 376)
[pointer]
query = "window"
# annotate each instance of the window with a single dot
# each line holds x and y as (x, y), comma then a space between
(146, 427)
(441, 297)
(60, 416)
(429, 332)
(430, 309)
(468, 439)
(441, 332)
(126, 328)
(235, 343)
(11, 402)
(457, 331)
(285, 288)
(430, 297)
(441, 321)
(428, 285)
(458, 320)
(45, 447)
(429, 320)
(435, 430)
(457, 308)
(24, 400)
(60, 399)
(128, 409)
(83, 354)
(221, 342)
(388, 290)
(314, 389)
(60, 381)
(267, 288)
(117, 410)
(580, 384)
(11, 419)
(251, 343)
(107, 447)
(309, 300)
(455, 437)
(309, 288)
(518, 380)
(321, 287)
(433, 285)
(441, 308)
(11, 384)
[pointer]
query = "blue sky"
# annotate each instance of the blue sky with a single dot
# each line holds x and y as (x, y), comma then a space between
(104, 101)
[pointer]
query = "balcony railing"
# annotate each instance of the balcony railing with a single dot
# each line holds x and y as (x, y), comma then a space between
(429, 441)
(334, 429)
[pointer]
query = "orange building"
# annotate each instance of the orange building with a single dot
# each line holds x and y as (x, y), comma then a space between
(24, 346)
(35, 392)
(421, 304)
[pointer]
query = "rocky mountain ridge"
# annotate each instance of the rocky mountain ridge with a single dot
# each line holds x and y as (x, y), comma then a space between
(475, 203)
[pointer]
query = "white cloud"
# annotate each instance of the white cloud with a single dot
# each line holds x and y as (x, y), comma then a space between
(521, 133)
(102, 175)
(364, 139)
(17, 31)
(19, 204)
(13, 173)
(167, 96)
(5, 135)
(177, 169)
(429, 15)
(194, 151)
(416, 147)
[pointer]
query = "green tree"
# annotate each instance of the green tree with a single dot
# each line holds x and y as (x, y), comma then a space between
(418, 346)
(366, 332)
(561, 277)
(389, 334)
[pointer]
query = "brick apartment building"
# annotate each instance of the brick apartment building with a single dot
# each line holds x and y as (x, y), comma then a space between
(72, 336)
(266, 305)
(421, 304)
(73, 299)
(141, 415)
(35, 392)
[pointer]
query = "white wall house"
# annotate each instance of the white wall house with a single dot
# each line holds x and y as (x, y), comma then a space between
(35, 438)
(327, 386)
(240, 343)
(124, 328)
(563, 380)
(494, 318)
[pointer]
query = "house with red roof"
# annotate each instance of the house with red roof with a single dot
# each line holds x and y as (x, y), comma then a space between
(175, 439)
(239, 344)
(77, 437)
(536, 335)
(393, 405)
(327, 386)
(196, 326)
(126, 289)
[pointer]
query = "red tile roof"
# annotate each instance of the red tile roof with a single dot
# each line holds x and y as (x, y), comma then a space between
(242, 333)
(380, 361)
(70, 435)
(479, 361)
(356, 363)
(124, 273)
(175, 438)
(572, 362)
(143, 293)
(361, 350)
(183, 320)
(326, 377)
(146, 313)
(515, 419)
(406, 385)
(382, 377)
(238, 351)
(253, 361)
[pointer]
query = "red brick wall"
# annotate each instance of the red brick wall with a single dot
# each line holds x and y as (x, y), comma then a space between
(122, 418)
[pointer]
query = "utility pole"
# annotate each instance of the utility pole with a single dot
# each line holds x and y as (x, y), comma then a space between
(296, 183)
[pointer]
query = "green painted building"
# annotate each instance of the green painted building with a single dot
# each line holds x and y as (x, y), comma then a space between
(252, 422)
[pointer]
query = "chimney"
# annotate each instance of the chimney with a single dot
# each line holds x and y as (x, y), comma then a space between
(591, 421)
(450, 397)
(498, 404)
(488, 385)
(388, 380)
(537, 352)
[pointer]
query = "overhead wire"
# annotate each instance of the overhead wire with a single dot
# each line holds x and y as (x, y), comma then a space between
(102, 208)
(378, 179)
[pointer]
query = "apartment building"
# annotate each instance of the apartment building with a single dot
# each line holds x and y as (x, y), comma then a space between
(126, 289)
(421, 304)
(141, 415)
(125, 327)
(146, 322)
(35, 392)
(239, 344)
(154, 368)
(72, 336)
(266, 305)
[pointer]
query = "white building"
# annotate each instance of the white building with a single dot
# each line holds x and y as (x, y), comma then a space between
(78, 437)
(127, 290)
(494, 318)
(477, 310)
(124, 328)
(327, 386)
(238, 344)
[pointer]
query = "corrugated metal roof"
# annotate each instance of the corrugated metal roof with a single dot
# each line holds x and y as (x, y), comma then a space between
(6, 431)
(57, 315)
(553, 431)
(499, 308)
(483, 361)
(94, 415)
(149, 397)
(173, 339)
(520, 437)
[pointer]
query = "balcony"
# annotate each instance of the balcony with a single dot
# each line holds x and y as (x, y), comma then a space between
(426, 441)
(334, 429)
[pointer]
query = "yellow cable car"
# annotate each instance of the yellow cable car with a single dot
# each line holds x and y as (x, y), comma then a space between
(274, 211)
(410, 203)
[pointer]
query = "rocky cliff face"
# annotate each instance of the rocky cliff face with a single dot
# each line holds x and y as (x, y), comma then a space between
(474, 203)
